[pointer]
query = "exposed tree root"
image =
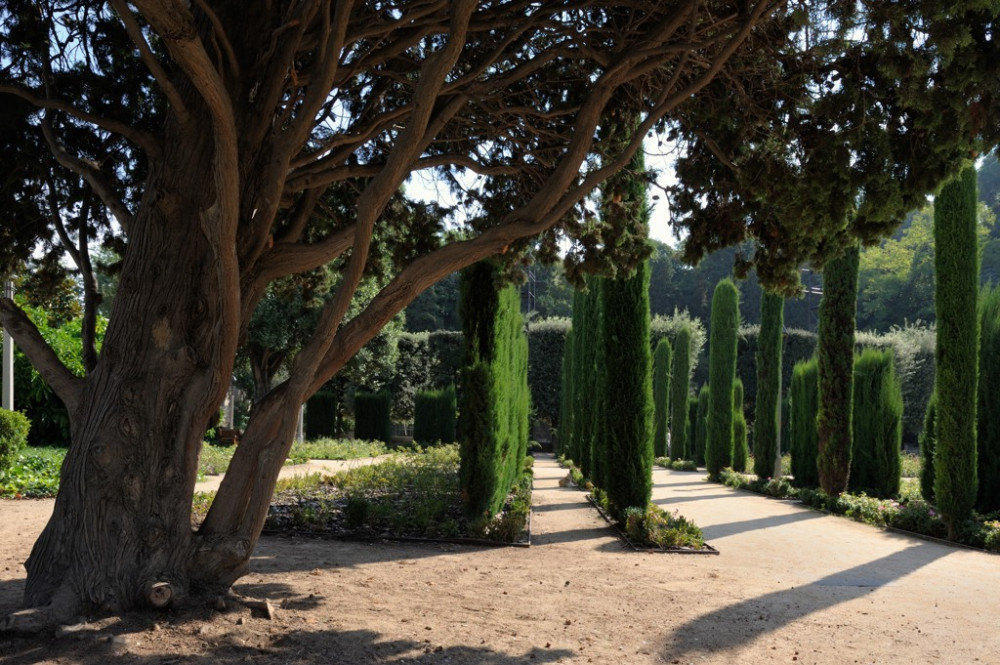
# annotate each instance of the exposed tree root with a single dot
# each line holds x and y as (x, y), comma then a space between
(38, 619)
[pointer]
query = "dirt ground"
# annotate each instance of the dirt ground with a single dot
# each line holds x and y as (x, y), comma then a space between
(790, 586)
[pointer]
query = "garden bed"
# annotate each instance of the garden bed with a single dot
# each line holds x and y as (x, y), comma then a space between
(705, 548)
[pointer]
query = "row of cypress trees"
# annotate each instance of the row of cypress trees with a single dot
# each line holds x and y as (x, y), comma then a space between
(495, 399)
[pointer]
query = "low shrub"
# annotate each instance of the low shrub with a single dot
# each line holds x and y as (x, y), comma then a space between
(33, 474)
(655, 527)
(14, 428)
(677, 464)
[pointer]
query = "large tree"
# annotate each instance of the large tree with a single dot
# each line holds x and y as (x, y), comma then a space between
(209, 132)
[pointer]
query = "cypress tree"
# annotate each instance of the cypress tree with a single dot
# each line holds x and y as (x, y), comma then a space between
(928, 442)
(700, 427)
(691, 431)
(740, 451)
(766, 430)
(721, 374)
(835, 349)
(988, 428)
(956, 272)
(878, 425)
(804, 408)
(565, 434)
(495, 400)
(680, 391)
(372, 416)
(661, 398)
(434, 416)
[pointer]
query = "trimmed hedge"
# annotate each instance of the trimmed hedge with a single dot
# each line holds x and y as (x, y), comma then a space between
(14, 428)
(680, 393)
(766, 434)
(661, 398)
(878, 413)
(722, 374)
(803, 407)
(740, 452)
(546, 344)
(321, 416)
(434, 416)
(372, 417)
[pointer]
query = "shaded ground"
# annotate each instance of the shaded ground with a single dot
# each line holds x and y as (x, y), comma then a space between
(791, 585)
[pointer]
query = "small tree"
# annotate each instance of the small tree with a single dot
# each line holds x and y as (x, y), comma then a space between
(767, 428)
(740, 451)
(988, 427)
(835, 348)
(804, 408)
(661, 398)
(721, 374)
(680, 391)
(956, 273)
(878, 425)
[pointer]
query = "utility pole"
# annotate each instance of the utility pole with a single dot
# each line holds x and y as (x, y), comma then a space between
(8, 357)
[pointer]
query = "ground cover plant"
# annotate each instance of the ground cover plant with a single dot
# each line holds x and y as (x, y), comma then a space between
(33, 474)
(411, 494)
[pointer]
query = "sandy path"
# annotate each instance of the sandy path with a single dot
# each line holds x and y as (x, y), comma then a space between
(791, 586)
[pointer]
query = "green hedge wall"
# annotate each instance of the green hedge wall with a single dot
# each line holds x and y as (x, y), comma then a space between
(546, 345)
(372, 416)
(321, 416)
(878, 413)
(434, 416)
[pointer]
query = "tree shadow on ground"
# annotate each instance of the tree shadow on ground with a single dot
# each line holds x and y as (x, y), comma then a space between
(748, 620)
(550, 507)
(690, 499)
(717, 531)
(229, 645)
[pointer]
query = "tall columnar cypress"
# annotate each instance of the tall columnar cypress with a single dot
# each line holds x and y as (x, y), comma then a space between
(956, 268)
(434, 416)
(598, 405)
(740, 451)
(835, 349)
(700, 427)
(767, 428)
(804, 408)
(988, 427)
(928, 442)
(680, 390)
(878, 425)
(583, 372)
(661, 398)
(566, 399)
(627, 435)
(495, 398)
(721, 374)
(372, 416)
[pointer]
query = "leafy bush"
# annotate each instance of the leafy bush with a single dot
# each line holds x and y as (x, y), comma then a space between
(654, 527)
(33, 474)
(14, 428)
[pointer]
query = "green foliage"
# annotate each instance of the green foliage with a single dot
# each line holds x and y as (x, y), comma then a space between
(700, 426)
(654, 527)
(627, 432)
(566, 397)
(777, 487)
(878, 412)
(434, 416)
(14, 428)
(988, 425)
(335, 449)
(722, 373)
(546, 343)
(33, 474)
(321, 415)
(495, 400)
(836, 370)
(956, 268)
(740, 452)
(804, 409)
(680, 391)
(661, 397)
(766, 434)
(372, 416)
(214, 460)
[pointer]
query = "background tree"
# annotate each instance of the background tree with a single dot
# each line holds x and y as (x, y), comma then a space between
(835, 350)
(767, 429)
(722, 372)
(661, 398)
(741, 454)
(956, 268)
(680, 393)
(699, 427)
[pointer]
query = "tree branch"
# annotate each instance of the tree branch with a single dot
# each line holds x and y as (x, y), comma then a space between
(68, 387)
